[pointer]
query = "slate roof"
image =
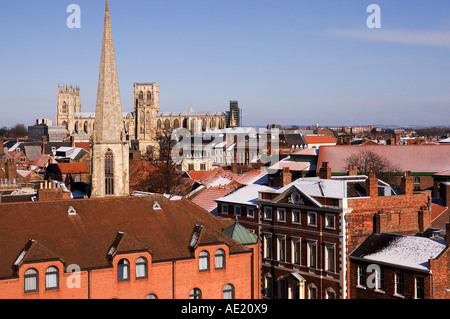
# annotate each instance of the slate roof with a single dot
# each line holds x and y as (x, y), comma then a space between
(124, 223)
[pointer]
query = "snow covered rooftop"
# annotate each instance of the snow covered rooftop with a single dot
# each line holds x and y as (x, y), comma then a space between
(401, 250)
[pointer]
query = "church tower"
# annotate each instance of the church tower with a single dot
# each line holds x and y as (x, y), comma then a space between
(110, 150)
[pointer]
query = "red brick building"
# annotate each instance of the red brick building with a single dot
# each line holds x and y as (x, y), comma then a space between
(129, 247)
(310, 226)
(395, 266)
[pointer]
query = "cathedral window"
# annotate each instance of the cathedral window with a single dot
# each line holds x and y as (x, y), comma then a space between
(64, 107)
(149, 95)
(141, 95)
(109, 173)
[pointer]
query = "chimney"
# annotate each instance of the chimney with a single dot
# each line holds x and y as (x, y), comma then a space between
(372, 185)
(44, 142)
(72, 141)
(1, 146)
(447, 234)
(325, 171)
(11, 169)
(407, 184)
(377, 222)
(287, 176)
(424, 218)
(352, 170)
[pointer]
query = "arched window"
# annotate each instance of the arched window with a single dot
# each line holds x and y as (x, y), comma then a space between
(203, 261)
(195, 293)
(141, 268)
(219, 259)
(312, 291)
(123, 270)
(151, 296)
(167, 124)
(64, 107)
(228, 291)
(76, 127)
(31, 280)
(109, 173)
(52, 278)
(176, 124)
(147, 116)
(158, 125)
(86, 127)
(149, 95)
(416, 183)
(141, 95)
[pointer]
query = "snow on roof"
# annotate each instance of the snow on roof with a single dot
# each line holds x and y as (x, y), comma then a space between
(409, 251)
(247, 195)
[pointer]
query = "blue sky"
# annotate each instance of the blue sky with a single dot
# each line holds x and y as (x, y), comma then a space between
(293, 62)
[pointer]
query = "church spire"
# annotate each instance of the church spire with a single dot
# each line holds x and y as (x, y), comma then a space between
(108, 113)
(110, 150)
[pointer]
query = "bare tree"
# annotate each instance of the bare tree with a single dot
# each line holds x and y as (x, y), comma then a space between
(165, 178)
(367, 161)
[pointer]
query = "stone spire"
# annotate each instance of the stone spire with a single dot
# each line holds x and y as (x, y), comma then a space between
(108, 113)
(110, 150)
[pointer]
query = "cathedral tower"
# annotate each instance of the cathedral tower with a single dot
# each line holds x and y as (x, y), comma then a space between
(68, 105)
(146, 109)
(110, 150)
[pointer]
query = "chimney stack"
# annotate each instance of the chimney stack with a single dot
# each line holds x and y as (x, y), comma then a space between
(286, 176)
(372, 185)
(10, 169)
(352, 170)
(44, 142)
(407, 184)
(325, 171)
(447, 234)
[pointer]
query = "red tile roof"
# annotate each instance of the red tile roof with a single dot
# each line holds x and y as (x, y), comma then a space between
(71, 168)
(414, 158)
(85, 238)
(207, 198)
(319, 139)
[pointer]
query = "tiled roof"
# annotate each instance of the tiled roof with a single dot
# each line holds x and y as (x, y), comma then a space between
(319, 139)
(70, 168)
(97, 225)
(207, 198)
(414, 158)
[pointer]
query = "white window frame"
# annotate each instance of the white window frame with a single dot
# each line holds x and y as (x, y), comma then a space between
(296, 211)
(309, 216)
(330, 248)
(267, 211)
(281, 215)
(251, 209)
(416, 287)
(398, 282)
(309, 246)
(267, 246)
(294, 241)
(329, 217)
(281, 248)
(225, 209)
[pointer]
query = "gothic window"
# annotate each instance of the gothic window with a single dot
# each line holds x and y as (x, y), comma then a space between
(141, 116)
(109, 173)
(65, 124)
(149, 95)
(64, 107)
(147, 116)
(176, 123)
(167, 124)
(159, 124)
(86, 127)
(76, 127)
(204, 122)
(141, 95)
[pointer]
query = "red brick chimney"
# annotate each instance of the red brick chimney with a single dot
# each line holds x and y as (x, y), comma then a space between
(352, 170)
(424, 218)
(372, 185)
(286, 176)
(44, 142)
(325, 171)
(11, 169)
(447, 234)
(407, 184)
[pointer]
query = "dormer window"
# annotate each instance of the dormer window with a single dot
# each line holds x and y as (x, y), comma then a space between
(31, 280)
(123, 270)
(51, 278)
